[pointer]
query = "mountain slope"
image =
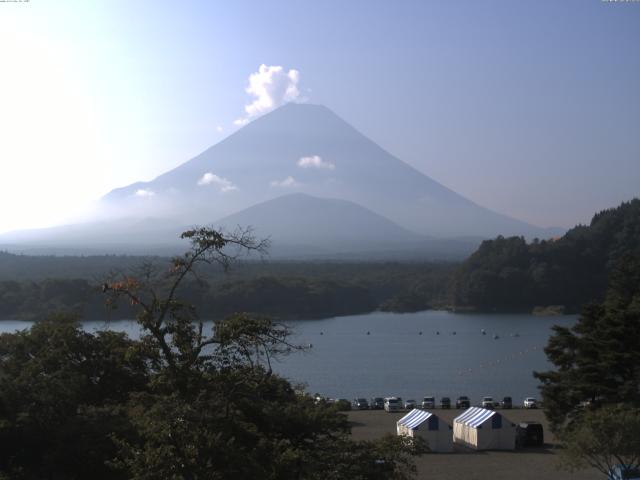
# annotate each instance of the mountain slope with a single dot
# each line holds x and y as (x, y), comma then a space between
(298, 225)
(303, 226)
(330, 224)
(266, 158)
(124, 235)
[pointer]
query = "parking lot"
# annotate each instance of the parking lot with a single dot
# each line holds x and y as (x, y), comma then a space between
(530, 463)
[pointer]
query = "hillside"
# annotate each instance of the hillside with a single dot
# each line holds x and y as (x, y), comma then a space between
(302, 219)
(511, 274)
(304, 226)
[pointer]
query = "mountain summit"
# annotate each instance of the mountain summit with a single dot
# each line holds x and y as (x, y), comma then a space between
(307, 179)
(308, 149)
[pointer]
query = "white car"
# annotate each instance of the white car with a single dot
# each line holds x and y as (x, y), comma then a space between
(530, 402)
(487, 402)
(392, 404)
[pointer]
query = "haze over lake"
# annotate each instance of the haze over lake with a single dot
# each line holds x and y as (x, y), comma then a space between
(395, 359)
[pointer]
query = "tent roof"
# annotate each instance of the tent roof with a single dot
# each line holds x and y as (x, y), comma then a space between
(414, 418)
(475, 416)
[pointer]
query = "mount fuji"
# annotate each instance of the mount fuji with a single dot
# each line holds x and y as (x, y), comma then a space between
(299, 149)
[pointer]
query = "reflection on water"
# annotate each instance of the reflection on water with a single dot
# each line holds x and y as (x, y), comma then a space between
(410, 355)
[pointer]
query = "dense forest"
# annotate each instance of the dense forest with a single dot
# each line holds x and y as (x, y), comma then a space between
(504, 274)
(32, 286)
(511, 274)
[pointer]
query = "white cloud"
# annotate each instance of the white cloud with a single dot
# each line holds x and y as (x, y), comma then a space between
(144, 193)
(288, 182)
(219, 129)
(315, 162)
(222, 183)
(271, 86)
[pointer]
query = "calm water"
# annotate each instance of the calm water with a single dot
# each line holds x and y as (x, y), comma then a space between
(395, 359)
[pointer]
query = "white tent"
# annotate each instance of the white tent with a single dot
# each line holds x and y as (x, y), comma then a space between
(484, 429)
(425, 424)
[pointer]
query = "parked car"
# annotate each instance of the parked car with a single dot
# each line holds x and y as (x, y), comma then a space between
(463, 402)
(445, 402)
(487, 402)
(429, 402)
(342, 404)
(506, 402)
(530, 402)
(529, 434)
(360, 404)
(591, 403)
(376, 403)
(624, 472)
(410, 404)
(392, 404)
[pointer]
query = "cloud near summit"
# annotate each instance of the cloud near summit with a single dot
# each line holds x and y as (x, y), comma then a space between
(272, 87)
(315, 162)
(221, 183)
(288, 182)
(144, 193)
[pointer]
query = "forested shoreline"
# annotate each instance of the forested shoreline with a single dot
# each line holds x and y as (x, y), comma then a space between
(509, 274)
(286, 291)
(504, 275)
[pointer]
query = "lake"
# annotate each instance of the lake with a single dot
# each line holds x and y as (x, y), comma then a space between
(451, 356)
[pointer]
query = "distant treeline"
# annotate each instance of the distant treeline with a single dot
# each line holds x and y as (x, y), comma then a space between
(281, 290)
(511, 274)
(504, 274)
(41, 267)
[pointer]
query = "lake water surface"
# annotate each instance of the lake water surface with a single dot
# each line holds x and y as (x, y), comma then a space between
(395, 359)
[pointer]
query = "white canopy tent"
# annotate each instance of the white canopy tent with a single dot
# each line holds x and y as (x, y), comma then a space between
(425, 424)
(483, 429)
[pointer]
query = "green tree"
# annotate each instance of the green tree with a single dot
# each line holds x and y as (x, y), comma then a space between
(603, 439)
(511, 274)
(60, 396)
(598, 359)
(180, 403)
(215, 409)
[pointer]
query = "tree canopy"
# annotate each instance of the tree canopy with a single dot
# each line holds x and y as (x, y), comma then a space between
(281, 290)
(511, 274)
(598, 359)
(181, 402)
(603, 439)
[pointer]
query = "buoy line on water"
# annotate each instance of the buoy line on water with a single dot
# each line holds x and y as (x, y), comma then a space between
(453, 333)
(500, 361)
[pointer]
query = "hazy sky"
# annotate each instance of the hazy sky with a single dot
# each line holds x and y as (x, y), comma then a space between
(529, 108)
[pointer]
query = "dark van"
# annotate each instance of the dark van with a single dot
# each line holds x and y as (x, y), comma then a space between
(529, 434)
(463, 402)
